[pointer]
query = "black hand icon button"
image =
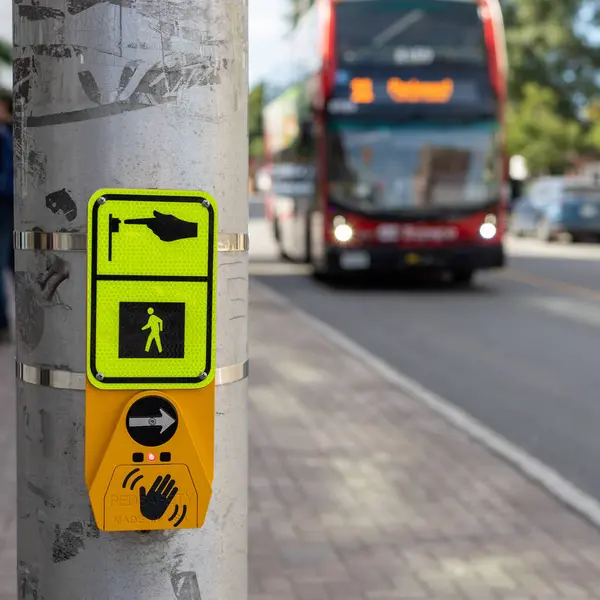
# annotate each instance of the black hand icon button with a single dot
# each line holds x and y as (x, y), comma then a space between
(167, 227)
(154, 504)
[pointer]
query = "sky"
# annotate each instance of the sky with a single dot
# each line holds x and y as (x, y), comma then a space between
(5, 19)
(267, 26)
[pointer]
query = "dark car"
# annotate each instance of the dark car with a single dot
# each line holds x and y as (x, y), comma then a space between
(558, 208)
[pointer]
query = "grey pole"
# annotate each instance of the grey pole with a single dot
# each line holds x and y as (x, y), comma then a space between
(125, 94)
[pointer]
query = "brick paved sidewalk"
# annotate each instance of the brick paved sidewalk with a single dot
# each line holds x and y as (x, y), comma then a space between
(360, 493)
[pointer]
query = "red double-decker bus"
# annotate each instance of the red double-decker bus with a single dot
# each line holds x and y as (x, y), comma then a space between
(384, 133)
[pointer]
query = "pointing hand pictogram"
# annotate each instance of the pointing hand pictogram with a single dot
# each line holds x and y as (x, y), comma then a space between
(154, 504)
(167, 227)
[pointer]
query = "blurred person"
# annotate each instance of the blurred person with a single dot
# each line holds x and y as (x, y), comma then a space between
(6, 121)
(6, 207)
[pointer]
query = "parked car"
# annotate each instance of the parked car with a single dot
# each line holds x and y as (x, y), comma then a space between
(558, 207)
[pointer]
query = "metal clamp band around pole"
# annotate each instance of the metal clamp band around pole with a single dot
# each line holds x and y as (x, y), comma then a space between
(58, 240)
(65, 241)
(68, 380)
(52, 378)
(232, 373)
(233, 242)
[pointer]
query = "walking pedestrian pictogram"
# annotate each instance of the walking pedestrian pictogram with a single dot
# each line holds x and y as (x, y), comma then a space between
(152, 330)
(155, 325)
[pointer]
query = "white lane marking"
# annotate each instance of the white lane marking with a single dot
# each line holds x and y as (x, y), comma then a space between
(533, 468)
(583, 312)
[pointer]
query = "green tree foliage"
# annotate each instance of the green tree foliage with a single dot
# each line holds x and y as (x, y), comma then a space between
(537, 131)
(297, 9)
(255, 123)
(547, 45)
(552, 81)
(5, 53)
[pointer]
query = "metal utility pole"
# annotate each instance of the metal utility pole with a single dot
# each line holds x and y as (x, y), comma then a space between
(136, 95)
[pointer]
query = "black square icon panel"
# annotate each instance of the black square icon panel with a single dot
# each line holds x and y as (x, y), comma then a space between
(152, 330)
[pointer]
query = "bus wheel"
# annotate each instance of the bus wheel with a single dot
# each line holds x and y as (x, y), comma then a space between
(320, 274)
(329, 279)
(283, 256)
(276, 233)
(463, 276)
(307, 258)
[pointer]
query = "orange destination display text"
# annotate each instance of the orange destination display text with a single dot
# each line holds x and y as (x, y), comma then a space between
(411, 91)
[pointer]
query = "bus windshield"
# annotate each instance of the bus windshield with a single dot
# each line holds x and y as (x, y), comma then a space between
(410, 167)
(409, 32)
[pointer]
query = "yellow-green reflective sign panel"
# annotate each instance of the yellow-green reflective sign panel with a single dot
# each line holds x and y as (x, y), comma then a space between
(151, 289)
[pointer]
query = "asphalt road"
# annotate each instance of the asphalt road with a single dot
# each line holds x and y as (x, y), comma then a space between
(520, 350)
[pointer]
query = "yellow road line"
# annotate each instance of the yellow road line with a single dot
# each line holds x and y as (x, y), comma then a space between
(550, 284)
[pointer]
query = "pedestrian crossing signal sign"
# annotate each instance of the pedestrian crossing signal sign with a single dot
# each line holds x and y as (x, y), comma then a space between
(152, 259)
(151, 346)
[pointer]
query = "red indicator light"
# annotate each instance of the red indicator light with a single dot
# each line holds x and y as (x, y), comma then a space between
(151, 457)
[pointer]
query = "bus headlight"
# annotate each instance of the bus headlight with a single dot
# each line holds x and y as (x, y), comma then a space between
(343, 232)
(488, 231)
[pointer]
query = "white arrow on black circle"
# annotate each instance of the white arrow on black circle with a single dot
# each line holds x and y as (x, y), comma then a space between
(164, 421)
